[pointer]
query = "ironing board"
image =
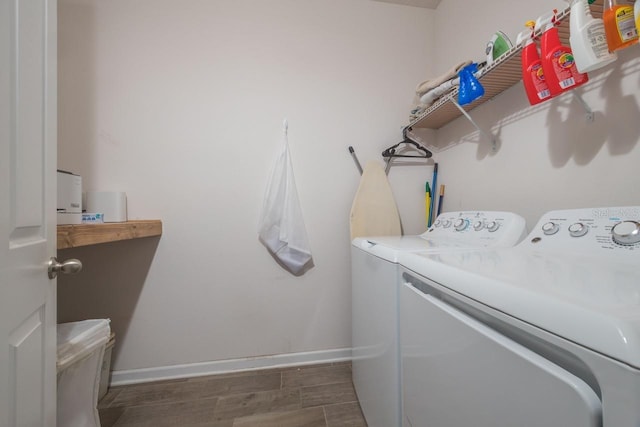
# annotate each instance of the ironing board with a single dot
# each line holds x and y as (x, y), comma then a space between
(374, 211)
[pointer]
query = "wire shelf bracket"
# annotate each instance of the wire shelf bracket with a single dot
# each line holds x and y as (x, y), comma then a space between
(589, 115)
(490, 137)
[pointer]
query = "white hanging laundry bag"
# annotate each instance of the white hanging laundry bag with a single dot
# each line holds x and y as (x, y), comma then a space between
(281, 228)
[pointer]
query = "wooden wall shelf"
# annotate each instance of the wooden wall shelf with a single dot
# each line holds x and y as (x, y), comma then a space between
(73, 236)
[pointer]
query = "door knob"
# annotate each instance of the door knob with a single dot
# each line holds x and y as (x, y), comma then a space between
(70, 266)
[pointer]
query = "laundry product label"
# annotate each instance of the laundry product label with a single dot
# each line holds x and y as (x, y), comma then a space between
(537, 76)
(565, 68)
(626, 24)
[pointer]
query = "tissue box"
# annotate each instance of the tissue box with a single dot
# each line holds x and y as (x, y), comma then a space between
(112, 205)
(92, 218)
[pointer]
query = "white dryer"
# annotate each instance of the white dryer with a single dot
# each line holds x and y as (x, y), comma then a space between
(375, 281)
(543, 334)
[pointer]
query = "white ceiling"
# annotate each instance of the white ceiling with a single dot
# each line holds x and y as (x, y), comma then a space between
(429, 4)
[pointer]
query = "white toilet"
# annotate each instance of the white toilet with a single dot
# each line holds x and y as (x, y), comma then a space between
(81, 348)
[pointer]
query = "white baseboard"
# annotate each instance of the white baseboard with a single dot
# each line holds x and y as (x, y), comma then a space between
(134, 376)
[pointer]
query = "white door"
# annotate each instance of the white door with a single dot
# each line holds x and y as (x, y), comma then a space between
(27, 212)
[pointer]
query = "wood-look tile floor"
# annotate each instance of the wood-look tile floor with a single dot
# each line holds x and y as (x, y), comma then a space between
(310, 396)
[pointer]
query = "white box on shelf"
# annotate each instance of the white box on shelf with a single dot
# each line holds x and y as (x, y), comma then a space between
(69, 204)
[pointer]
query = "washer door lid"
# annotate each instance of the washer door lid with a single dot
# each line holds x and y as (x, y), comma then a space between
(459, 372)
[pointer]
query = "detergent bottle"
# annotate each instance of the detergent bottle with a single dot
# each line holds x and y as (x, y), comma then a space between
(532, 73)
(588, 40)
(619, 25)
(559, 67)
(470, 88)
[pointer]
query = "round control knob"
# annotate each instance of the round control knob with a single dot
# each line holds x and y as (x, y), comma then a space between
(460, 224)
(437, 223)
(446, 223)
(578, 229)
(478, 225)
(493, 226)
(626, 232)
(550, 228)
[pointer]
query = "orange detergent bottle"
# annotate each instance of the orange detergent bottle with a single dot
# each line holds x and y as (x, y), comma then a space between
(619, 25)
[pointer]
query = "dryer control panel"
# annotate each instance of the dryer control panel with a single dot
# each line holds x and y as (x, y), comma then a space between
(486, 228)
(595, 231)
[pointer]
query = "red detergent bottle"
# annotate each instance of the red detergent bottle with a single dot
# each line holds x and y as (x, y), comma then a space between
(533, 79)
(560, 71)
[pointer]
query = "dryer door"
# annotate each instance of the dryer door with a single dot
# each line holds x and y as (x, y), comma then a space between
(457, 372)
(376, 358)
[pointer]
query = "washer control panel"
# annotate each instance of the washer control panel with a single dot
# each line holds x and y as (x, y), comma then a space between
(493, 228)
(593, 230)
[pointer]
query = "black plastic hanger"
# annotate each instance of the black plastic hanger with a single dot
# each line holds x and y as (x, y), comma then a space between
(391, 151)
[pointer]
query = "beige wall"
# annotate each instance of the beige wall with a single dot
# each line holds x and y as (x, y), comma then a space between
(180, 104)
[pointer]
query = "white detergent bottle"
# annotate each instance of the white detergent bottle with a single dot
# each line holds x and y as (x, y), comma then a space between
(587, 38)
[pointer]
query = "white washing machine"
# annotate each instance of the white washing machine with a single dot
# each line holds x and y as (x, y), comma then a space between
(543, 334)
(375, 281)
